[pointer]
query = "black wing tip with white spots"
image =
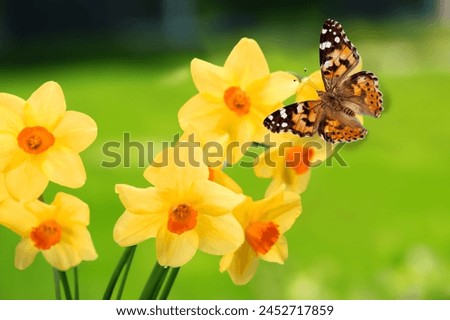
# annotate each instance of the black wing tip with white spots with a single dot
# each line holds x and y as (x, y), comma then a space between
(333, 35)
(277, 121)
(330, 22)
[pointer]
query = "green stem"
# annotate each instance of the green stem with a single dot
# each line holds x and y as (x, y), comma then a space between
(127, 255)
(169, 283)
(57, 287)
(75, 283)
(154, 282)
(65, 283)
(125, 275)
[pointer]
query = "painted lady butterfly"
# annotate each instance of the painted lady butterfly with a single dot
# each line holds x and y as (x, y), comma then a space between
(345, 95)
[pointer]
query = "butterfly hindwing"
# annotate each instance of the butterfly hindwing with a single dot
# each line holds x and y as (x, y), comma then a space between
(340, 127)
(338, 56)
(361, 93)
(299, 118)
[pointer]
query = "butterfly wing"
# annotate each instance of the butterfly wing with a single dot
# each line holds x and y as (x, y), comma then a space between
(360, 92)
(300, 118)
(340, 127)
(338, 56)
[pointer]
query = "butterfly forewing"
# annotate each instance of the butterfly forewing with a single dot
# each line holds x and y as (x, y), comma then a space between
(300, 118)
(338, 56)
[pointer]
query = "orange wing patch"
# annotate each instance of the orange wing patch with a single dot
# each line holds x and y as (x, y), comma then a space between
(338, 63)
(304, 122)
(334, 131)
(361, 90)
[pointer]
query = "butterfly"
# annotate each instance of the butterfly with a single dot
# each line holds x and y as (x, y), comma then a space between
(345, 95)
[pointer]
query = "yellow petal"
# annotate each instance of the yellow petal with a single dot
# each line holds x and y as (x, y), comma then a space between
(46, 106)
(210, 198)
(202, 115)
(3, 191)
(275, 185)
(219, 235)
(41, 210)
(283, 208)
(211, 79)
(299, 183)
(296, 183)
(226, 261)
(132, 229)
(213, 144)
(62, 256)
(240, 212)
(241, 139)
(14, 216)
(176, 168)
(26, 182)
(242, 266)
(10, 121)
(142, 201)
(174, 250)
(247, 61)
(307, 90)
(76, 131)
(70, 209)
(272, 90)
(12, 103)
(84, 245)
(63, 166)
(265, 164)
(256, 119)
(10, 155)
(278, 253)
(223, 179)
(25, 254)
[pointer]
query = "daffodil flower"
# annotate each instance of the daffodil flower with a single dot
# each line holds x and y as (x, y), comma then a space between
(264, 223)
(184, 211)
(58, 230)
(233, 100)
(289, 161)
(40, 142)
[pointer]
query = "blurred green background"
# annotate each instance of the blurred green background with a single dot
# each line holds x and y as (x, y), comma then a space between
(376, 229)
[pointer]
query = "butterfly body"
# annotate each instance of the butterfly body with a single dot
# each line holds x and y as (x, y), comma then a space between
(346, 95)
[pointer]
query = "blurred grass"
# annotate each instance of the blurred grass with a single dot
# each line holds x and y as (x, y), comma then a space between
(376, 229)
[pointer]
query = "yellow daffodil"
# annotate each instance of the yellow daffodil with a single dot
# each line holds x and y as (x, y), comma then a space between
(184, 211)
(40, 141)
(264, 223)
(58, 230)
(289, 161)
(233, 100)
